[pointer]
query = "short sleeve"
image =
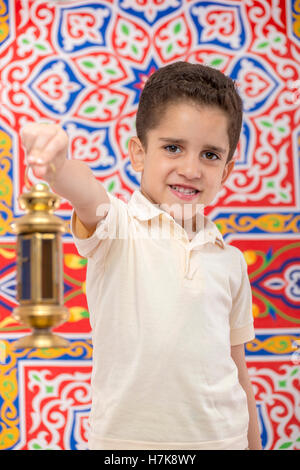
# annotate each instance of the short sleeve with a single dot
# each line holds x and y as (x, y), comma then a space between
(241, 318)
(97, 245)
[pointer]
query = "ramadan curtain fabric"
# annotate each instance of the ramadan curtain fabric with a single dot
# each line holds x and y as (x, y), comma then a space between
(83, 64)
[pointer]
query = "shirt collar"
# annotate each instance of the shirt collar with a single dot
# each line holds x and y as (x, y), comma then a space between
(143, 209)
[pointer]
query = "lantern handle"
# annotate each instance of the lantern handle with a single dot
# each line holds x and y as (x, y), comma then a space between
(26, 178)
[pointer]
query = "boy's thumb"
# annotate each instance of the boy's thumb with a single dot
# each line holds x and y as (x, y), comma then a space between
(39, 171)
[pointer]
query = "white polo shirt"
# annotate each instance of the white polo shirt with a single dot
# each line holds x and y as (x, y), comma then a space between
(164, 313)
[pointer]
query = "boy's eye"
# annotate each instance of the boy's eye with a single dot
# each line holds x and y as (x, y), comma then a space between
(210, 156)
(172, 148)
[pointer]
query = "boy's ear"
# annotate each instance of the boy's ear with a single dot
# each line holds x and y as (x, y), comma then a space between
(136, 154)
(227, 171)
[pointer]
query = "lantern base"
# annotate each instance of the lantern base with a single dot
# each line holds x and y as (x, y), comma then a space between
(41, 318)
(41, 339)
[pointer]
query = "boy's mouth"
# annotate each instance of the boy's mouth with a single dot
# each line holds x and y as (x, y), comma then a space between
(183, 192)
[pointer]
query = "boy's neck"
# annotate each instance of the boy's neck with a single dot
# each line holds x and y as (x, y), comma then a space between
(190, 228)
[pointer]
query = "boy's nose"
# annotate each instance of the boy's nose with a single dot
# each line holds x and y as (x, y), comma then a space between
(190, 167)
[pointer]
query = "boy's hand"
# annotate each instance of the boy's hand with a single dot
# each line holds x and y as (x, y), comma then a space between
(46, 147)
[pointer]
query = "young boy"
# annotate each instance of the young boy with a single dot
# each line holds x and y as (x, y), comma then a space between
(169, 300)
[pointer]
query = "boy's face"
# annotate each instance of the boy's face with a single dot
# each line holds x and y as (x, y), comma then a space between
(188, 149)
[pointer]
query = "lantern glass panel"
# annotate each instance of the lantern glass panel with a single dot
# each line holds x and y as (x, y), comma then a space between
(25, 287)
(47, 268)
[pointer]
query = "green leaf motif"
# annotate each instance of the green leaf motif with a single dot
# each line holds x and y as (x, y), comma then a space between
(169, 48)
(112, 101)
(125, 30)
(111, 186)
(266, 123)
(134, 49)
(4, 191)
(40, 47)
(286, 445)
(36, 446)
(177, 28)
(88, 64)
(263, 44)
(89, 109)
(7, 384)
(216, 62)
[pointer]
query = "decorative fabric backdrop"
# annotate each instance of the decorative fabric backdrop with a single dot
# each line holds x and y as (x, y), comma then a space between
(83, 64)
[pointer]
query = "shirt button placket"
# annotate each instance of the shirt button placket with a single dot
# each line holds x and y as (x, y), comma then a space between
(187, 256)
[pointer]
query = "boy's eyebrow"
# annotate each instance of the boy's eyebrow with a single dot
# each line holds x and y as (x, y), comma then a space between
(183, 141)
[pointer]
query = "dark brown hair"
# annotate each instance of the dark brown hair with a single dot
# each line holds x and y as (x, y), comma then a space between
(201, 84)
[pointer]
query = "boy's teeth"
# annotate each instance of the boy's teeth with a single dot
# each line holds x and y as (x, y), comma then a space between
(184, 190)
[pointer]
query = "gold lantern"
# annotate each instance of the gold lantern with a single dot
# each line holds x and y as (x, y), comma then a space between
(40, 269)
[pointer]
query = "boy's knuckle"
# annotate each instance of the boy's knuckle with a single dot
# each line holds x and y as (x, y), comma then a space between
(61, 141)
(39, 131)
(62, 134)
(26, 134)
(48, 130)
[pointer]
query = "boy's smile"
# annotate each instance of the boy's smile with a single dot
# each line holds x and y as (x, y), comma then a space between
(185, 159)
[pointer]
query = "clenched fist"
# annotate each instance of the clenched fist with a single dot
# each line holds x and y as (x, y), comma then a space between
(46, 147)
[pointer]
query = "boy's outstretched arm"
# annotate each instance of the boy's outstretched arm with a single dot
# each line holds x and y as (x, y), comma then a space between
(46, 146)
(238, 355)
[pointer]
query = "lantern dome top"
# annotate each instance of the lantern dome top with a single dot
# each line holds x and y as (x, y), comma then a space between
(39, 204)
(39, 198)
